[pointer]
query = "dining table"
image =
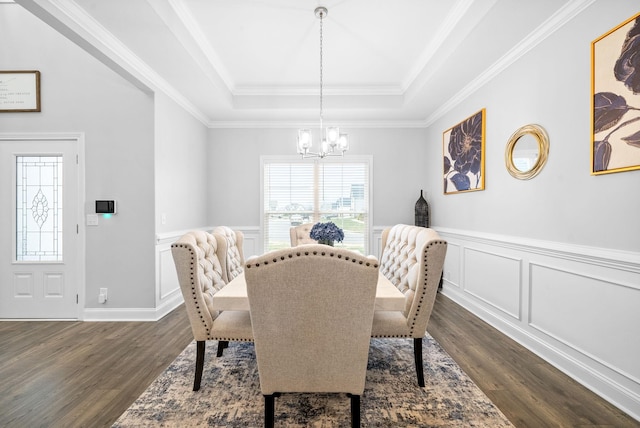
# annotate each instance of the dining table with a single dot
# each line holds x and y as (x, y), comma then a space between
(233, 296)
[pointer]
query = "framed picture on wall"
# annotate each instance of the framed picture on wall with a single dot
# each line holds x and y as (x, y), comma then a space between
(19, 91)
(615, 94)
(463, 150)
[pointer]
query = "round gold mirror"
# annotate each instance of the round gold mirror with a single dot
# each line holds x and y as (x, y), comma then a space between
(527, 152)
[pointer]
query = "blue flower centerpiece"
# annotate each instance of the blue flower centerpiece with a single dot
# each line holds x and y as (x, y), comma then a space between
(326, 233)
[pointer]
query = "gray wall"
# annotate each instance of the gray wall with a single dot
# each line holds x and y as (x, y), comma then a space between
(181, 168)
(550, 86)
(400, 166)
(79, 94)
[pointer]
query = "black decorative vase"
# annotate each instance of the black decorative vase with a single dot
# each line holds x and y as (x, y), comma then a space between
(422, 212)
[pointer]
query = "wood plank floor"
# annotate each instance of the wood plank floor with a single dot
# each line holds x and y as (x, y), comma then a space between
(529, 391)
(83, 374)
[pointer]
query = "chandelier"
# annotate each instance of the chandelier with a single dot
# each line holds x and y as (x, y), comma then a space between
(333, 143)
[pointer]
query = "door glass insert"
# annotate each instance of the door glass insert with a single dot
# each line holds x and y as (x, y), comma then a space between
(39, 208)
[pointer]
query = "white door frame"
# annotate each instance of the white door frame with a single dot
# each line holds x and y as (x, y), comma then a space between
(78, 137)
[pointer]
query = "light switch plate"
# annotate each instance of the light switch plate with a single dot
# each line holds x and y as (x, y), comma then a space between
(92, 219)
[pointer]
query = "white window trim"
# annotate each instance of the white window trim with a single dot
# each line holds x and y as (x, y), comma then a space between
(296, 159)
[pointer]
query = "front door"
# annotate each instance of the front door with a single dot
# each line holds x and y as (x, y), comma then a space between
(39, 229)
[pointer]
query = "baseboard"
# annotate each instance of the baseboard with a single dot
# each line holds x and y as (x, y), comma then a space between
(133, 314)
(613, 392)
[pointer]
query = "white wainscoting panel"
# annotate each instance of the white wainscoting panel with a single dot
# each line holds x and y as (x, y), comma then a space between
(376, 241)
(451, 271)
(168, 294)
(168, 279)
(577, 307)
(594, 316)
(252, 244)
(494, 278)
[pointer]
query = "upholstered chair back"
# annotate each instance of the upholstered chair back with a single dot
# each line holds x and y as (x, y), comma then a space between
(412, 259)
(230, 251)
(311, 311)
(300, 235)
(200, 276)
(197, 256)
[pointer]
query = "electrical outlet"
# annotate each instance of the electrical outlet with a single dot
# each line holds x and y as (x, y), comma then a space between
(102, 297)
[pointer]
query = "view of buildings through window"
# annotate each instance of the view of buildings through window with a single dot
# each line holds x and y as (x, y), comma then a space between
(303, 191)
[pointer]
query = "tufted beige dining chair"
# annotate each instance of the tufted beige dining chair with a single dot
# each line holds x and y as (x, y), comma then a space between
(231, 255)
(412, 259)
(200, 276)
(312, 309)
(300, 234)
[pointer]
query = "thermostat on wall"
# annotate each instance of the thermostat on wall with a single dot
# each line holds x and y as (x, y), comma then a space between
(105, 207)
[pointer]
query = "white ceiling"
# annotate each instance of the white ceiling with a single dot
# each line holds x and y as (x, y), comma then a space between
(256, 62)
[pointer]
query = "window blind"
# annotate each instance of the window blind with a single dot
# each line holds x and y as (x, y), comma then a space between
(299, 191)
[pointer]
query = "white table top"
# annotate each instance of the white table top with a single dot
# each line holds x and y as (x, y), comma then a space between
(233, 296)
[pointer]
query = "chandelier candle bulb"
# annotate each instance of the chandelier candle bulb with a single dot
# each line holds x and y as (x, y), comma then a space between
(332, 135)
(343, 142)
(304, 140)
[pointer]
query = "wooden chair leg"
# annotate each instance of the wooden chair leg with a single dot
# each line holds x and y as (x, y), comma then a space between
(199, 364)
(269, 410)
(417, 352)
(222, 345)
(355, 411)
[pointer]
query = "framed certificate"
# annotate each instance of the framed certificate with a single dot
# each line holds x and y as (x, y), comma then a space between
(19, 91)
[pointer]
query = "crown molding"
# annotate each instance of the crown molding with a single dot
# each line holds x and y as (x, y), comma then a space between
(273, 124)
(242, 91)
(544, 30)
(449, 24)
(75, 23)
(81, 28)
(180, 21)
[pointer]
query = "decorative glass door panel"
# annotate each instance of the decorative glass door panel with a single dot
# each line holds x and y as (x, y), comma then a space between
(39, 241)
(39, 224)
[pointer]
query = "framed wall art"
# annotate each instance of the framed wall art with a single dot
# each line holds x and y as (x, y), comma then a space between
(463, 149)
(19, 91)
(615, 90)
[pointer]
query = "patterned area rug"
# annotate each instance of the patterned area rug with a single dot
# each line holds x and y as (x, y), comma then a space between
(230, 394)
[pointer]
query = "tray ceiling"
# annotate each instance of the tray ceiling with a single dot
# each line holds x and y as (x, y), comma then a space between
(256, 62)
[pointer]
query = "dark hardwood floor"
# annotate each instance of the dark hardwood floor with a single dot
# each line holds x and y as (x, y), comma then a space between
(529, 391)
(83, 374)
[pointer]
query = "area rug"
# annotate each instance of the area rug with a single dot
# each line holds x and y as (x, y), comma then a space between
(230, 394)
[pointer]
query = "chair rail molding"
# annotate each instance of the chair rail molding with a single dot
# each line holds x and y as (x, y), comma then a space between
(574, 306)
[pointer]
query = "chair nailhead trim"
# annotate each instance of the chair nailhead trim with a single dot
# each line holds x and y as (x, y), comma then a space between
(391, 335)
(193, 282)
(315, 253)
(424, 288)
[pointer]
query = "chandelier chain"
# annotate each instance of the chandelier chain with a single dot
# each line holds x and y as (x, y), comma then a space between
(321, 70)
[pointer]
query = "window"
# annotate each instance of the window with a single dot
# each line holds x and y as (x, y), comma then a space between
(297, 191)
(38, 208)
